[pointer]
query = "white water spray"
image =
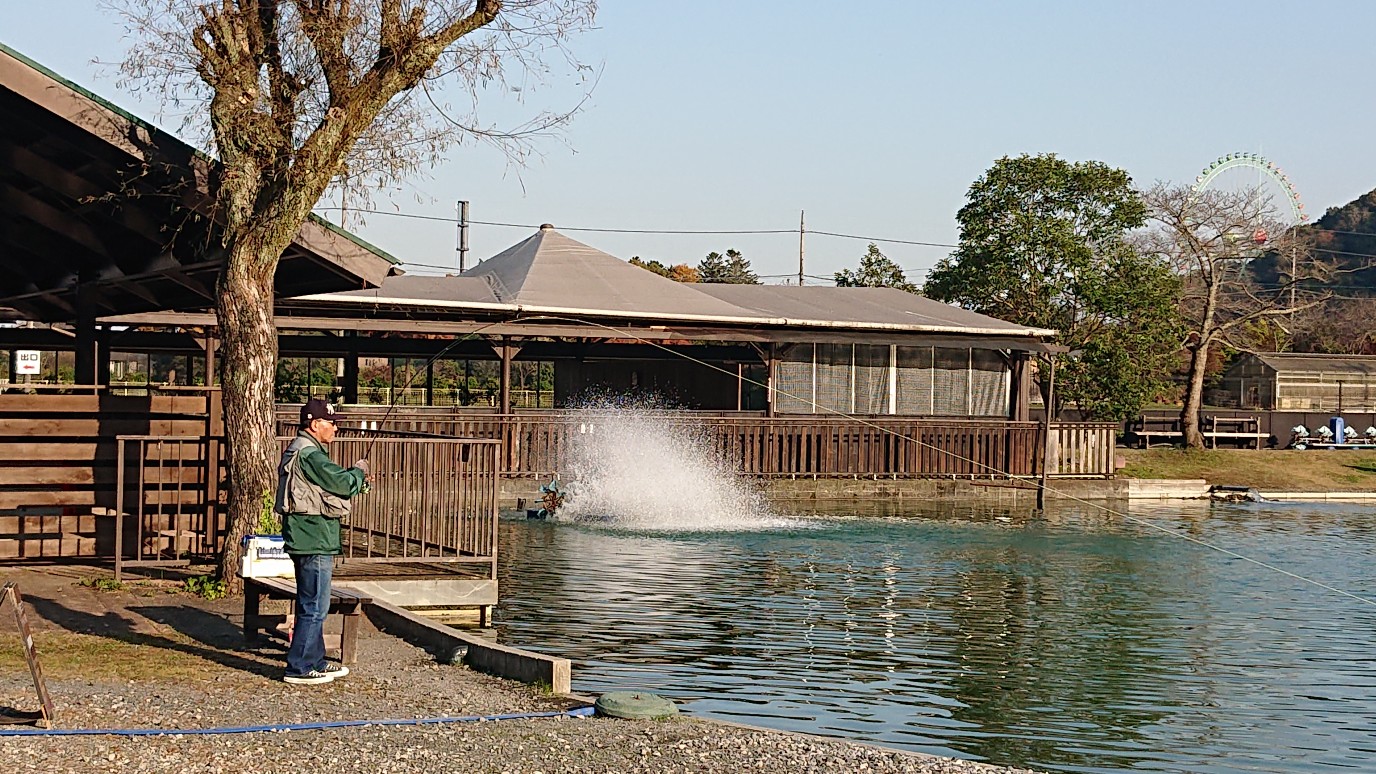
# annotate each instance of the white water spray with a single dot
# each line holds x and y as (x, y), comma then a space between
(648, 469)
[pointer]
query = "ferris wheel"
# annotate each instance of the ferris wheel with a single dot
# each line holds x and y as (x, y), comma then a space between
(1256, 162)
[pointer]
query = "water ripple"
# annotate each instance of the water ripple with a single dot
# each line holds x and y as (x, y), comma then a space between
(1070, 642)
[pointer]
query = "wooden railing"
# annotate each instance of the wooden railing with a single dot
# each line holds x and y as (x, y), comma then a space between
(539, 444)
(1082, 449)
(432, 500)
(169, 507)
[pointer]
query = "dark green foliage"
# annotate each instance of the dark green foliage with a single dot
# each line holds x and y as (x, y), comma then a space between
(1044, 242)
(730, 269)
(876, 271)
(652, 265)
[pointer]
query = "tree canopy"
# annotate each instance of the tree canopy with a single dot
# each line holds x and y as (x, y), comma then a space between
(730, 269)
(875, 271)
(679, 272)
(1046, 242)
(1211, 239)
(298, 98)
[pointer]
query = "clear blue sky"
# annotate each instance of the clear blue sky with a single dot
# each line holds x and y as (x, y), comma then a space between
(873, 117)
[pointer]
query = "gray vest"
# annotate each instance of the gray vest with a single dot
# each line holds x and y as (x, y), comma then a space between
(296, 494)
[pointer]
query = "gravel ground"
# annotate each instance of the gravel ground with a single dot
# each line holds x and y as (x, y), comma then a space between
(396, 680)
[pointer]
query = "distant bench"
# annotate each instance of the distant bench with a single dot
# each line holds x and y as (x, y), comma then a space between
(346, 602)
(1242, 430)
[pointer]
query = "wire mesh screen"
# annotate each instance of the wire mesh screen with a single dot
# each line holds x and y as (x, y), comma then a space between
(793, 380)
(833, 377)
(855, 379)
(988, 384)
(951, 377)
(871, 379)
(914, 380)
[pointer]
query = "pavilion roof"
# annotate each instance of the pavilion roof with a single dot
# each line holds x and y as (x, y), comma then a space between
(98, 202)
(552, 278)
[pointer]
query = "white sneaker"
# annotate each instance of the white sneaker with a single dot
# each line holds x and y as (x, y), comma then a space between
(335, 670)
(313, 677)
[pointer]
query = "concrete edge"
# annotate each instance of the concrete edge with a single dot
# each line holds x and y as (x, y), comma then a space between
(483, 655)
(1319, 497)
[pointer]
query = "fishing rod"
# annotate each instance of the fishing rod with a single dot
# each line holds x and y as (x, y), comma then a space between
(624, 333)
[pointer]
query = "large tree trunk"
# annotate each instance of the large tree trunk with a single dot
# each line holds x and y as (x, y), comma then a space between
(1194, 396)
(244, 305)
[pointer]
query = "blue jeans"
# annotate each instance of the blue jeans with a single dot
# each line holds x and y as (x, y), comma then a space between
(307, 651)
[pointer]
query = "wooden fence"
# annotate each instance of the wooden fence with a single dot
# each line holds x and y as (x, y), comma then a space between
(540, 444)
(140, 479)
(60, 466)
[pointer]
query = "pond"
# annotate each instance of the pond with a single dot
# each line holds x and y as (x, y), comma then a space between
(1073, 641)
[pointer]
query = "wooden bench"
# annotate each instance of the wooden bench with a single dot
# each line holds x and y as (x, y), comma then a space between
(347, 602)
(1245, 431)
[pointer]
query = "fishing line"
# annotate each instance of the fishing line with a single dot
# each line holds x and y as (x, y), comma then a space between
(1036, 484)
(396, 396)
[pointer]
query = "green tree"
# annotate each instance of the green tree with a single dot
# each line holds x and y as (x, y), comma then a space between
(876, 271)
(1045, 242)
(729, 269)
(651, 265)
(300, 98)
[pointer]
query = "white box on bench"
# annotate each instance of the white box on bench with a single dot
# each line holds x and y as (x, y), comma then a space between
(265, 556)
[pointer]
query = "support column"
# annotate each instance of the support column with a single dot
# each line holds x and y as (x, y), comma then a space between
(772, 361)
(1019, 404)
(87, 344)
(351, 369)
(507, 350)
(429, 382)
(1049, 450)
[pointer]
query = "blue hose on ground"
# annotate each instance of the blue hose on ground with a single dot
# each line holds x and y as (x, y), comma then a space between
(576, 712)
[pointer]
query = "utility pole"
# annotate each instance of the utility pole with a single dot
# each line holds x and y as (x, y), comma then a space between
(802, 232)
(463, 235)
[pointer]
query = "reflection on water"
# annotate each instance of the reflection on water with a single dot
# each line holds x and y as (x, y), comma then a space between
(1075, 642)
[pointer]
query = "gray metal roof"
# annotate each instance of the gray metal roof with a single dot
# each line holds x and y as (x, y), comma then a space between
(824, 305)
(1314, 363)
(550, 274)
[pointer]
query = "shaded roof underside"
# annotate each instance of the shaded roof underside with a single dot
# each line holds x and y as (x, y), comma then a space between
(93, 197)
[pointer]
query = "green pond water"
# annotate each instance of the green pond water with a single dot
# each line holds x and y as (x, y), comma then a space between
(1072, 641)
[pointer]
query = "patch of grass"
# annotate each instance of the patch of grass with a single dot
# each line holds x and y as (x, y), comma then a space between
(101, 584)
(65, 655)
(1267, 469)
(206, 587)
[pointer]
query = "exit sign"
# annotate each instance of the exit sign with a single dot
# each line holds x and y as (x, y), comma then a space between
(28, 361)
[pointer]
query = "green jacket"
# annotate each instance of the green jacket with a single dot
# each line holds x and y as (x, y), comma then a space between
(314, 533)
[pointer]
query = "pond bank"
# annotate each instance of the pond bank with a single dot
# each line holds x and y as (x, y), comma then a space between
(149, 656)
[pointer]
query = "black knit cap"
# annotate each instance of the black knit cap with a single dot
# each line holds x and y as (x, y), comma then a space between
(318, 408)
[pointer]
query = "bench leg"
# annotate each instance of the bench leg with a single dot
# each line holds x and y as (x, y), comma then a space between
(251, 622)
(348, 638)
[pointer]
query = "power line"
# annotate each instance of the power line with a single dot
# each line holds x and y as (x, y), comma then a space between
(728, 232)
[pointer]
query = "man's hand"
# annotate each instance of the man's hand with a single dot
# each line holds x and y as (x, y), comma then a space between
(363, 466)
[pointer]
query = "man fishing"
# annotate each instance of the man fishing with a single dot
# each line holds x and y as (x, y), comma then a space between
(313, 494)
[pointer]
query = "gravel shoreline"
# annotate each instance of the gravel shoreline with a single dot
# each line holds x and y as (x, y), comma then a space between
(395, 680)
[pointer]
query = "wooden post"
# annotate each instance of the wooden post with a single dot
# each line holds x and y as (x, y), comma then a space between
(1049, 445)
(86, 340)
(506, 353)
(772, 362)
(351, 369)
(429, 382)
(1019, 404)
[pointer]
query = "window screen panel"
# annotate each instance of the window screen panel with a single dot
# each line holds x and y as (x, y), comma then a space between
(793, 380)
(914, 380)
(951, 382)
